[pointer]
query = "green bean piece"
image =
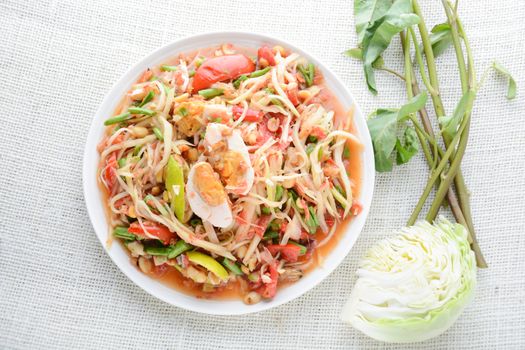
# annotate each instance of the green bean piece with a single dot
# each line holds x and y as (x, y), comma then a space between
(311, 72)
(183, 111)
(303, 248)
(158, 251)
(121, 162)
(311, 139)
(179, 248)
(122, 232)
(211, 93)
(232, 266)
(140, 110)
(237, 82)
(308, 73)
(271, 234)
(195, 221)
(118, 118)
(158, 133)
(312, 221)
(346, 152)
(147, 98)
(279, 190)
(167, 68)
(274, 225)
(266, 211)
(259, 73)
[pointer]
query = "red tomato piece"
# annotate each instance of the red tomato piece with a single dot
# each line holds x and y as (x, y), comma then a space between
(262, 224)
(268, 290)
(221, 68)
(266, 53)
(159, 231)
(318, 132)
(356, 208)
(251, 115)
(292, 96)
(289, 252)
(110, 174)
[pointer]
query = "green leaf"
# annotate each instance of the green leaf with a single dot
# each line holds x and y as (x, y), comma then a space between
(413, 105)
(379, 35)
(383, 133)
(357, 54)
(440, 38)
(450, 124)
(404, 153)
(367, 12)
(383, 128)
(511, 91)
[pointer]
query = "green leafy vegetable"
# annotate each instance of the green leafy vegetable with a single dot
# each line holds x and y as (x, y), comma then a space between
(409, 149)
(440, 38)
(383, 130)
(511, 91)
(450, 124)
(367, 12)
(379, 35)
(413, 287)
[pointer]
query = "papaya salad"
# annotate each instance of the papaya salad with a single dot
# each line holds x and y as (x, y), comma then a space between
(229, 168)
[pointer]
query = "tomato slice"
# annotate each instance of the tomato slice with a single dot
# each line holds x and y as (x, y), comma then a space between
(268, 290)
(161, 232)
(251, 115)
(221, 68)
(289, 252)
(266, 53)
(110, 174)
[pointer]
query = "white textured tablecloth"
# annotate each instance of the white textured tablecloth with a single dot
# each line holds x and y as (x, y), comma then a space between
(59, 289)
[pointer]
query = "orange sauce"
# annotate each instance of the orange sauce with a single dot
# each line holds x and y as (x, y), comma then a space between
(235, 290)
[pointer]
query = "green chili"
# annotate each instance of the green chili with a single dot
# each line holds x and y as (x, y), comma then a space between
(175, 177)
(140, 110)
(259, 73)
(232, 266)
(118, 118)
(158, 133)
(210, 93)
(148, 98)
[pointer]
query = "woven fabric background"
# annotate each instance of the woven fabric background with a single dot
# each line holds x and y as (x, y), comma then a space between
(59, 289)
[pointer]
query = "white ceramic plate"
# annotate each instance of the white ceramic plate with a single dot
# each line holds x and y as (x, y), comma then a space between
(117, 252)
